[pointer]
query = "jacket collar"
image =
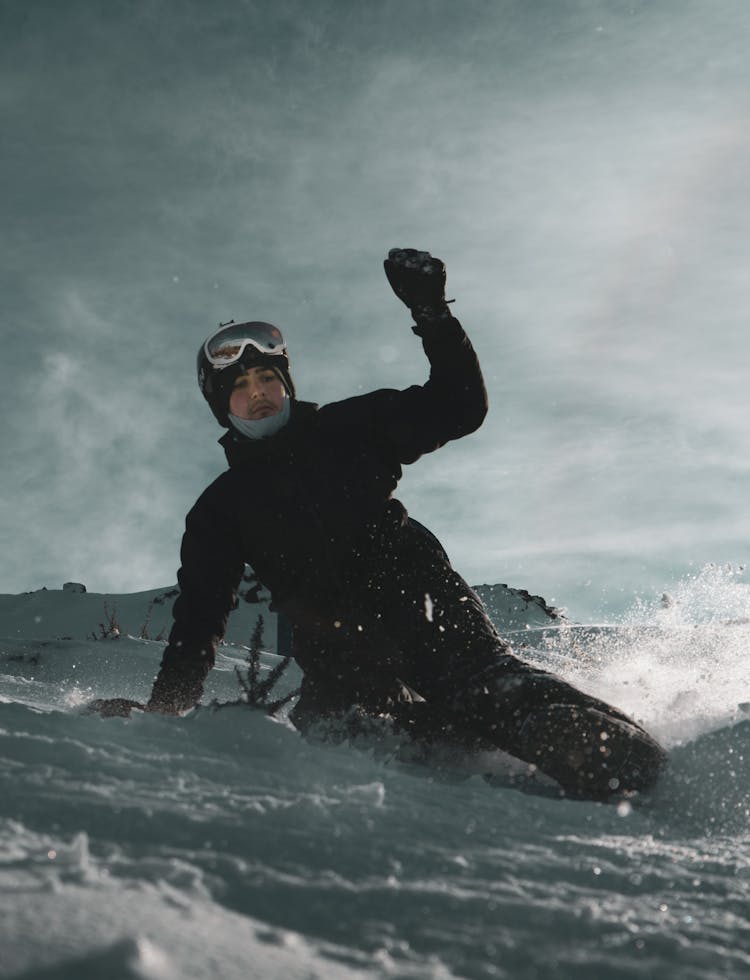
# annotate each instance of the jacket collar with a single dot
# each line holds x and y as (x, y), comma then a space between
(239, 449)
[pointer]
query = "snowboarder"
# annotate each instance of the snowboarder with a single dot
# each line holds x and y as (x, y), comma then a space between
(380, 618)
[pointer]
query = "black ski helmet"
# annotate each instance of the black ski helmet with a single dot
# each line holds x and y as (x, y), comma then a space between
(232, 350)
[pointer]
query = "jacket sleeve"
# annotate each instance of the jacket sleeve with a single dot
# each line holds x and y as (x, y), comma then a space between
(451, 404)
(209, 577)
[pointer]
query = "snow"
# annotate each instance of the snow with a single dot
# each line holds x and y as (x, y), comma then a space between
(223, 844)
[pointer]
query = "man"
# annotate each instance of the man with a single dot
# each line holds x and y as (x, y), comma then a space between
(380, 618)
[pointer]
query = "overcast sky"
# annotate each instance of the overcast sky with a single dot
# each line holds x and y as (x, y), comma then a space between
(581, 166)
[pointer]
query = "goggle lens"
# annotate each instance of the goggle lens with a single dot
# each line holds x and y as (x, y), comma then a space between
(228, 344)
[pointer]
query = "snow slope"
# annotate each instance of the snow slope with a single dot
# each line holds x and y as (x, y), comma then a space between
(223, 844)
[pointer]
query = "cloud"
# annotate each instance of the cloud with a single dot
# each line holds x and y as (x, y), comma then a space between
(167, 166)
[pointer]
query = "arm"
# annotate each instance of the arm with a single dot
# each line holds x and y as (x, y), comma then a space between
(209, 576)
(455, 391)
(453, 402)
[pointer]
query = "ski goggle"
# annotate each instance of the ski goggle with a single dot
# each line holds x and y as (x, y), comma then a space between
(229, 343)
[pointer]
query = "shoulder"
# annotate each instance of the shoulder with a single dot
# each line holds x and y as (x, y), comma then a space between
(214, 499)
(359, 408)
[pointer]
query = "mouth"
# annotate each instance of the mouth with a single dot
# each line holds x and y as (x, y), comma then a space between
(262, 411)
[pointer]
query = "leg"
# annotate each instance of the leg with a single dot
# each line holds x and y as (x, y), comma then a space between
(341, 674)
(454, 657)
(590, 748)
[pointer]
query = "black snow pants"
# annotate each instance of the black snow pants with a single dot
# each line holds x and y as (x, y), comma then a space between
(410, 638)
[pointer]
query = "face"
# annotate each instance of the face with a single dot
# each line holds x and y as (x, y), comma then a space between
(257, 393)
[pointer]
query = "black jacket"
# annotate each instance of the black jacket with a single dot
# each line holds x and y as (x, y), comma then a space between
(305, 505)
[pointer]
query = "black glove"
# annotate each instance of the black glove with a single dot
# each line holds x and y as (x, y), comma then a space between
(419, 281)
(113, 707)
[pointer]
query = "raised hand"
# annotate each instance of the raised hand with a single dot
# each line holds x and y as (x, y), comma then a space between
(418, 280)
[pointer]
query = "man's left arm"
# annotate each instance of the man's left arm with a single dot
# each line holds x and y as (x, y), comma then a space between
(209, 576)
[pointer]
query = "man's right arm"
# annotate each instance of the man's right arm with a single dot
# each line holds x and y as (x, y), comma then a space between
(209, 576)
(453, 402)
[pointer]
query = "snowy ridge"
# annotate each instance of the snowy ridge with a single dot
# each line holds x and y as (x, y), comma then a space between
(76, 614)
(512, 609)
(69, 613)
